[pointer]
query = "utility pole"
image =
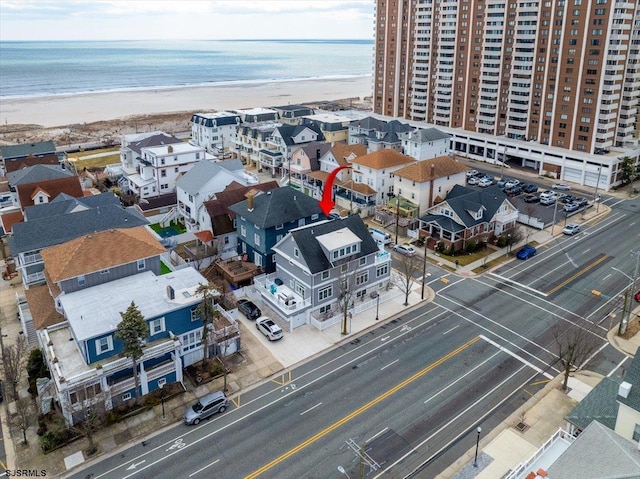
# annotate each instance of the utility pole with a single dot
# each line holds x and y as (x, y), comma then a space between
(595, 195)
(397, 216)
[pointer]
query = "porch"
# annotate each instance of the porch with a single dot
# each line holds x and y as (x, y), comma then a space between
(236, 271)
(279, 296)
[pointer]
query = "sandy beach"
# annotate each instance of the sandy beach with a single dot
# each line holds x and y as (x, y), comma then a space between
(77, 109)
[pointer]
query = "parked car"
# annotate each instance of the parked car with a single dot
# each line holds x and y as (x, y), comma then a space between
(547, 200)
(471, 173)
(571, 229)
(380, 236)
(250, 310)
(404, 249)
(560, 186)
(502, 182)
(566, 198)
(484, 182)
(529, 188)
(526, 252)
(489, 177)
(206, 407)
(571, 207)
(581, 202)
(637, 296)
(513, 191)
(473, 180)
(534, 198)
(511, 183)
(271, 330)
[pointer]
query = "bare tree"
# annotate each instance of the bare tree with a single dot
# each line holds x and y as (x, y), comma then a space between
(208, 315)
(409, 267)
(202, 251)
(346, 290)
(13, 358)
(23, 417)
(133, 330)
(574, 346)
(93, 410)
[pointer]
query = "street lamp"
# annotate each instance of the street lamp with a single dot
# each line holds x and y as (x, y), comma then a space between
(596, 198)
(424, 267)
(475, 461)
(342, 471)
(161, 386)
(508, 244)
(377, 296)
(397, 216)
(555, 212)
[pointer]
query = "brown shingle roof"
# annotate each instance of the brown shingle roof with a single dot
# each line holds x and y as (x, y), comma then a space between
(42, 308)
(9, 219)
(18, 164)
(341, 151)
(98, 251)
(427, 170)
(383, 159)
(69, 185)
(359, 188)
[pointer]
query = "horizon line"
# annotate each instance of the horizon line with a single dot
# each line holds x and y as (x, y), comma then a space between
(193, 39)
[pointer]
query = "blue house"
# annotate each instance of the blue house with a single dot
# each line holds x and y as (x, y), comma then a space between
(263, 219)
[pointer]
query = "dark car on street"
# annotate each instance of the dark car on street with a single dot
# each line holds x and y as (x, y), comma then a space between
(526, 252)
(250, 310)
(566, 199)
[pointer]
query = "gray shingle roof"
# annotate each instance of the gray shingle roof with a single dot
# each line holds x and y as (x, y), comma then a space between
(158, 139)
(218, 120)
(200, 173)
(36, 174)
(288, 132)
(64, 203)
(462, 200)
(281, 205)
(600, 404)
(422, 135)
(391, 131)
(367, 123)
(597, 453)
(51, 230)
(633, 377)
(311, 250)
(25, 149)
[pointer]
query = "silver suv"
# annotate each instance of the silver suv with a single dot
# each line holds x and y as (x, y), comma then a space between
(206, 407)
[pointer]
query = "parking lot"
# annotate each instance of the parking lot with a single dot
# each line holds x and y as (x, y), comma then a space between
(522, 200)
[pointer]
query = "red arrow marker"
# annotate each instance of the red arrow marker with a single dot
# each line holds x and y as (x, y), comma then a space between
(327, 202)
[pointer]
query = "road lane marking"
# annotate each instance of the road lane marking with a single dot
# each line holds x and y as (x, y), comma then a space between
(578, 274)
(449, 330)
(203, 468)
(519, 358)
(385, 367)
(286, 379)
(618, 366)
(523, 286)
(376, 435)
(542, 381)
(310, 409)
(360, 410)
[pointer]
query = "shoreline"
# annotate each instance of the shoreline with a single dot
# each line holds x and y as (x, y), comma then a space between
(70, 109)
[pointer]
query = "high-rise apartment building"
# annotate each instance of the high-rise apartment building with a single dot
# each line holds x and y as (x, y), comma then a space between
(563, 73)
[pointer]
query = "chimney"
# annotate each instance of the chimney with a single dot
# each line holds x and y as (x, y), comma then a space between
(170, 149)
(171, 294)
(433, 170)
(250, 201)
(624, 389)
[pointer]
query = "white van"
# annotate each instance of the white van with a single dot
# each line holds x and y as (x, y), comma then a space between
(380, 236)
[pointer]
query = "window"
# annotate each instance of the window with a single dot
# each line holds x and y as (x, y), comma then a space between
(104, 345)
(162, 382)
(296, 252)
(256, 239)
(362, 278)
(344, 268)
(126, 397)
(104, 271)
(324, 293)
(81, 280)
(280, 226)
(195, 313)
(325, 275)
(382, 270)
(156, 326)
(636, 433)
(243, 230)
(141, 264)
(363, 261)
(163, 173)
(191, 340)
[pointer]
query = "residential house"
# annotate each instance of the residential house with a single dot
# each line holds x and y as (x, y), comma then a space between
(304, 161)
(425, 143)
(255, 115)
(321, 264)
(214, 131)
(221, 221)
(31, 160)
(425, 183)
(44, 191)
(252, 148)
(284, 141)
(388, 136)
(292, 114)
(20, 151)
(468, 215)
(339, 154)
(36, 174)
(361, 130)
(131, 153)
(376, 170)
(61, 221)
(161, 166)
(334, 127)
(263, 220)
(628, 419)
(200, 184)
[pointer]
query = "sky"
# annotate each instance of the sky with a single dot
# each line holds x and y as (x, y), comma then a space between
(185, 19)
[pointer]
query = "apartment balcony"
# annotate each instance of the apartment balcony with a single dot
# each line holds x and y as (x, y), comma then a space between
(279, 296)
(28, 259)
(34, 278)
(626, 130)
(613, 78)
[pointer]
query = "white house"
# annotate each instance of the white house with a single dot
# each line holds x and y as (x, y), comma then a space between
(214, 132)
(376, 170)
(200, 184)
(428, 182)
(423, 144)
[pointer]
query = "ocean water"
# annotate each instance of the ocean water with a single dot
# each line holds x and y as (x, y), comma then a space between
(55, 68)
